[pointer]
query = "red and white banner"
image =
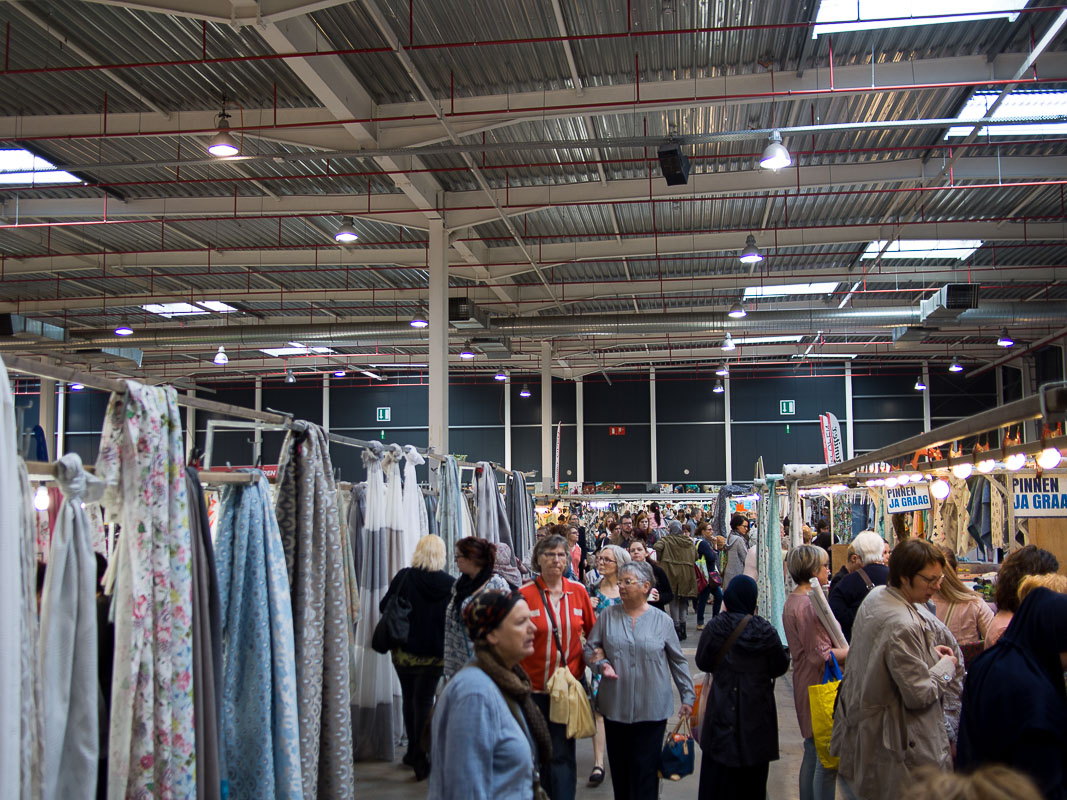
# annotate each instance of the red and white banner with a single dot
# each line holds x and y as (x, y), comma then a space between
(831, 439)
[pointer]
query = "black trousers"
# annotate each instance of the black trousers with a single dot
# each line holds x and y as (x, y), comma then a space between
(732, 783)
(701, 603)
(559, 777)
(633, 756)
(417, 687)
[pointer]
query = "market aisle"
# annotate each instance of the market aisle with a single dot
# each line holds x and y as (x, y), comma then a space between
(394, 781)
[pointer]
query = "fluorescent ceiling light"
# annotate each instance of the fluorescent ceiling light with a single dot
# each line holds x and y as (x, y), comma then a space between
(22, 168)
(862, 15)
(831, 356)
(398, 365)
(787, 289)
(169, 310)
(296, 349)
(766, 339)
(1016, 105)
(217, 306)
(370, 374)
(924, 248)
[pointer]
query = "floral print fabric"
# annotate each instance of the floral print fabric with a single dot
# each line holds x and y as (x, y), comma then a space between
(151, 750)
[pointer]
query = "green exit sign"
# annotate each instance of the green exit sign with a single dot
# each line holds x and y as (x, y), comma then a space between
(383, 414)
(787, 407)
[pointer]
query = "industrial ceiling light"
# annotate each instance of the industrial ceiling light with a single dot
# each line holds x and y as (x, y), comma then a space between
(525, 392)
(737, 311)
(223, 144)
(1049, 458)
(775, 156)
(289, 376)
(466, 352)
(1005, 340)
(718, 388)
(339, 374)
(123, 328)
(668, 8)
(728, 342)
(501, 375)
(221, 358)
(722, 370)
(955, 366)
(419, 319)
(751, 253)
(77, 387)
(347, 234)
(919, 385)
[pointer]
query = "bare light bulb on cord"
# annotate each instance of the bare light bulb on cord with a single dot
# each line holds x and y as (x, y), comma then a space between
(903, 479)
(1049, 458)
(940, 489)
(962, 471)
(41, 500)
(986, 465)
(891, 481)
(1015, 461)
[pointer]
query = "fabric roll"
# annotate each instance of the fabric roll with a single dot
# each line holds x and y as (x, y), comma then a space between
(491, 520)
(260, 727)
(67, 650)
(520, 511)
(151, 751)
(306, 506)
(770, 577)
(450, 510)
(376, 704)
(32, 722)
(207, 646)
(416, 522)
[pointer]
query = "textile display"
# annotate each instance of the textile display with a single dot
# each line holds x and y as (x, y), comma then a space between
(840, 519)
(306, 505)
(769, 573)
(207, 647)
(397, 549)
(356, 513)
(151, 751)
(997, 525)
(376, 704)
(348, 555)
(491, 521)
(450, 510)
(720, 521)
(520, 511)
(260, 728)
(67, 650)
(30, 689)
(416, 521)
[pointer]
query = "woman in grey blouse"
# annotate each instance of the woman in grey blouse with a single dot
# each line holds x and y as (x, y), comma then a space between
(635, 649)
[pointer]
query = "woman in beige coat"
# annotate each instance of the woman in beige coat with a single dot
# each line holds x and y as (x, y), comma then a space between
(890, 717)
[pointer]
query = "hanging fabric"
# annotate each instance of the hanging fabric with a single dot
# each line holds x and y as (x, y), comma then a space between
(151, 748)
(770, 578)
(375, 704)
(259, 719)
(450, 510)
(356, 513)
(491, 521)
(520, 510)
(67, 650)
(207, 647)
(307, 518)
(348, 557)
(30, 689)
(416, 522)
(397, 555)
(720, 522)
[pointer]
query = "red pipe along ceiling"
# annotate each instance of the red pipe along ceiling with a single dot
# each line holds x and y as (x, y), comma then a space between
(378, 173)
(784, 194)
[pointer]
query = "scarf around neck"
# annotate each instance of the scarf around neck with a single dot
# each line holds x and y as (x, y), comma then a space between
(466, 586)
(515, 687)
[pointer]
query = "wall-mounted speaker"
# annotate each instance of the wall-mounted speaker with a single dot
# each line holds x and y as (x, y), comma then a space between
(674, 164)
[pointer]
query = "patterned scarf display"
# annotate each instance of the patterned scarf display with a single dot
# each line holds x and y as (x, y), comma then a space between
(770, 577)
(306, 505)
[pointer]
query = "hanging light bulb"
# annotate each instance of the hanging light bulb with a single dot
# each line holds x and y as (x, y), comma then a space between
(223, 144)
(722, 370)
(467, 352)
(501, 375)
(221, 358)
(986, 465)
(1015, 461)
(775, 156)
(916, 477)
(955, 366)
(718, 388)
(751, 253)
(962, 471)
(940, 489)
(77, 387)
(525, 392)
(123, 328)
(419, 319)
(737, 311)
(891, 481)
(728, 342)
(289, 376)
(879, 481)
(1049, 458)
(903, 479)
(347, 233)
(1005, 340)
(920, 386)
(41, 500)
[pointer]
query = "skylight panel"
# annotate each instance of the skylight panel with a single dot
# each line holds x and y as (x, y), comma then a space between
(924, 248)
(23, 168)
(216, 305)
(766, 339)
(169, 310)
(787, 289)
(861, 15)
(296, 349)
(1015, 105)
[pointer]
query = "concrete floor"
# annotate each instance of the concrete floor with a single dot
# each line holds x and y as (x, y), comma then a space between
(394, 781)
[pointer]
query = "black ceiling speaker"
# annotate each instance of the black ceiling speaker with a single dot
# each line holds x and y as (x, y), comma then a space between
(674, 164)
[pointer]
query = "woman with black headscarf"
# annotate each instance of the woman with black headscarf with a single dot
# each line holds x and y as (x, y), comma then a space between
(1014, 700)
(739, 734)
(476, 560)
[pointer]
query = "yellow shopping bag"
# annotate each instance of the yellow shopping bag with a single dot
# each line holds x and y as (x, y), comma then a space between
(821, 697)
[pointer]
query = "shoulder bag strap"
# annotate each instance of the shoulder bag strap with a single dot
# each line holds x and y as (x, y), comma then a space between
(730, 642)
(948, 614)
(551, 622)
(866, 578)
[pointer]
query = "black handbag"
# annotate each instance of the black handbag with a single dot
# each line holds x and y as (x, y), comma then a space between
(395, 623)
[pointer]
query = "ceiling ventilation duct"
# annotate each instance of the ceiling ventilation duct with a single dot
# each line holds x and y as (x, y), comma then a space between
(948, 303)
(465, 315)
(905, 336)
(498, 347)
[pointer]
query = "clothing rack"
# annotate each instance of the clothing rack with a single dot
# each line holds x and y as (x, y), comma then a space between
(46, 471)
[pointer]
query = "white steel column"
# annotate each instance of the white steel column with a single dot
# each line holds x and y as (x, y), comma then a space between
(61, 419)
(926, 397)
(257, 436)
(438, 355)
(47, 416)
(652, 423)
(546, 416)
(579, 411)
(849, 426)
(326, 403)
(507, 422)
(728, 437)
